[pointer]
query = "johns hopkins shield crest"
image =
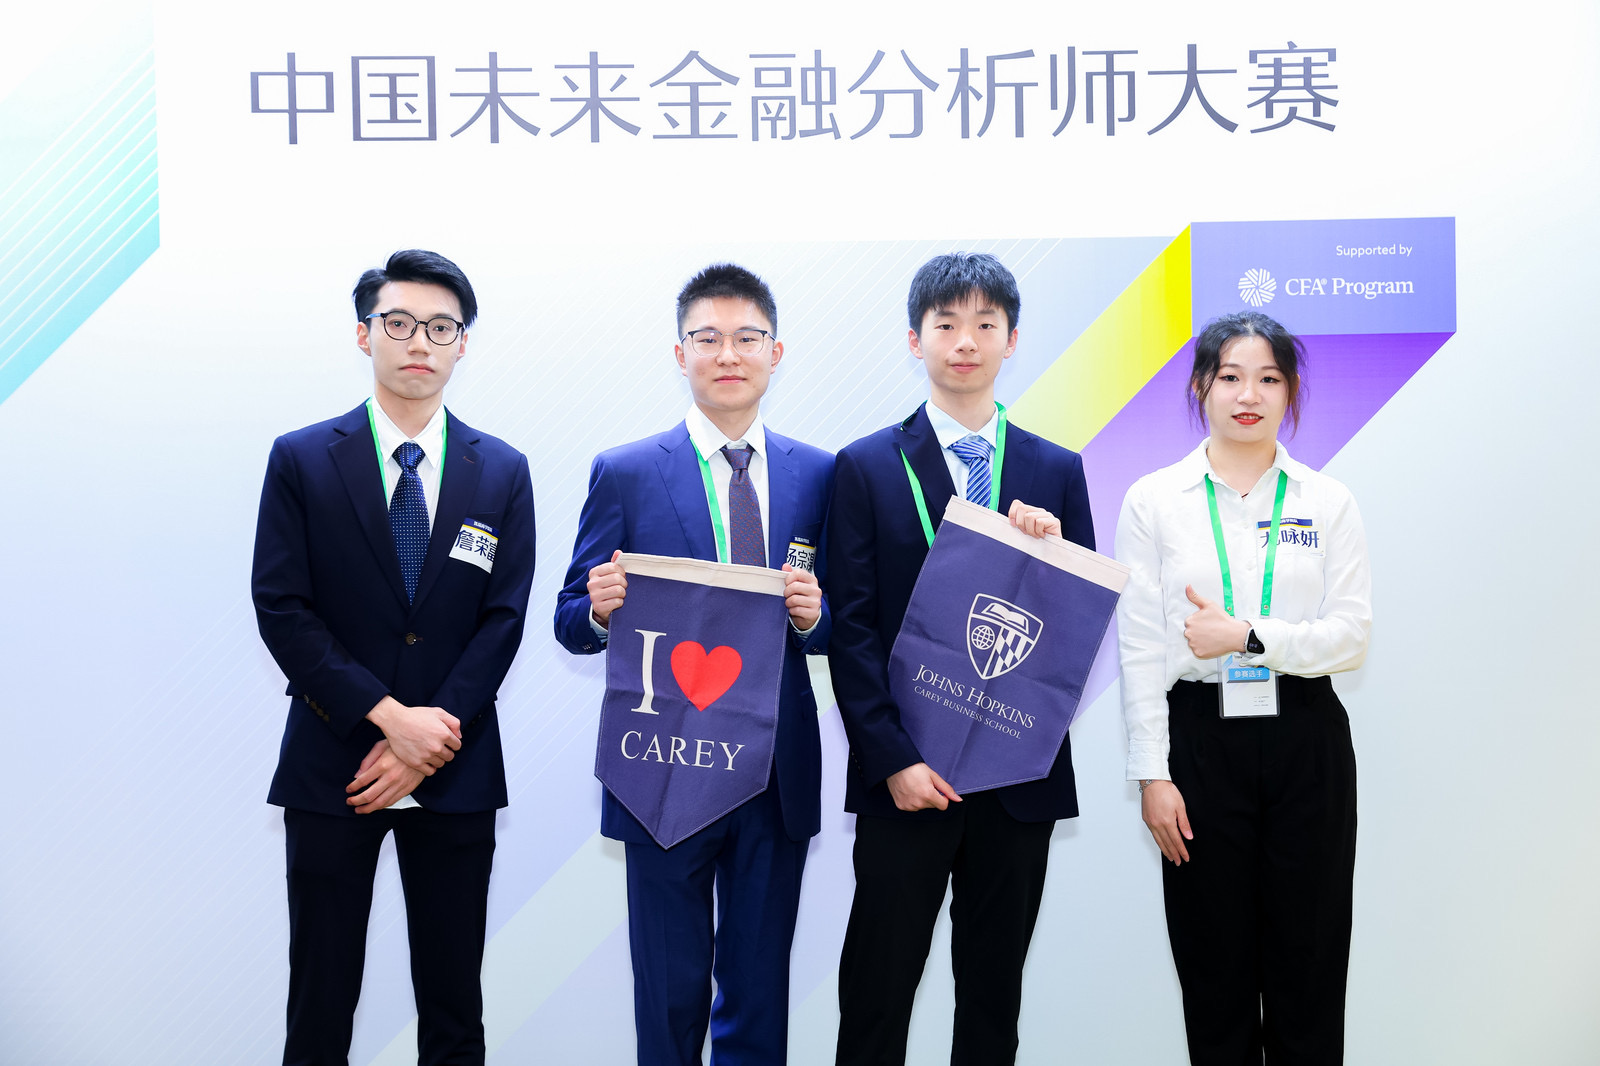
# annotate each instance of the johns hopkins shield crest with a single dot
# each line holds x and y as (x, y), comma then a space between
(999, 635)
(1009, 726)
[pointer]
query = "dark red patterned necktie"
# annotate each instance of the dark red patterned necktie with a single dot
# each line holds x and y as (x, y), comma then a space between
(745, 542)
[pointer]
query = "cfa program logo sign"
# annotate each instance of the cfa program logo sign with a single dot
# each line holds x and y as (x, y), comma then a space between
(999, 635)
(1257, 287)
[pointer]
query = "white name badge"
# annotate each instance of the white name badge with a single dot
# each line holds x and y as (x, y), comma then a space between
(802, 555)
(1246, 691)
(475, 544)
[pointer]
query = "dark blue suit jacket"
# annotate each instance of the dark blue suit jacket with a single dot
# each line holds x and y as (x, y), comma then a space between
(875, 547)
(331, 606)
(648, 497)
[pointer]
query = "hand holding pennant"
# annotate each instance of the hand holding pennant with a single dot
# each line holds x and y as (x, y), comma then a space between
(990, 663)
(693, 668)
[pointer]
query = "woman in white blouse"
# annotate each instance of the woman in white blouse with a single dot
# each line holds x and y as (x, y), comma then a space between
(1250, 585)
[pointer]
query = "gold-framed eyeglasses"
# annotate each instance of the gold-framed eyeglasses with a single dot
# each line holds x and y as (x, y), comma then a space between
(709, 342)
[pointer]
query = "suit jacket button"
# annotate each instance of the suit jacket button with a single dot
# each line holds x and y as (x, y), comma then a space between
(411, 638)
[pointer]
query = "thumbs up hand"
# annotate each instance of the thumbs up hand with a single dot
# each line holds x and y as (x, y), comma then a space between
(1211, 631)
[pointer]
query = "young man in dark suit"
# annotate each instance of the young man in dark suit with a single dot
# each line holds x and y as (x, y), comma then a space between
(394, 555)
(914, 834)
(650, 497)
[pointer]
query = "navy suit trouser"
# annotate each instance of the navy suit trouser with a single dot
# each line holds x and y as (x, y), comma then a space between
(994, 867)
(756, 870)
(444, 871)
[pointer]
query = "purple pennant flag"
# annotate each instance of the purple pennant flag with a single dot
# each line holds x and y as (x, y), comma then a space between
(989, 667)
(693, 667)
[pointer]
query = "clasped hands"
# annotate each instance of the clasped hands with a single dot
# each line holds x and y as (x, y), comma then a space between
(416, 742)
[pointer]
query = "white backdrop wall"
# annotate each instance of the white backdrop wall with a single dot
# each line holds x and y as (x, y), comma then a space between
(142, 917)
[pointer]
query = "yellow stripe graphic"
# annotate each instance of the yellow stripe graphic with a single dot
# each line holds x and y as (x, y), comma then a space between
(1113, 359)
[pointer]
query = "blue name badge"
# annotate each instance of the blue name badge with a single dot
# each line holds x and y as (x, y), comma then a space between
(1246, 691)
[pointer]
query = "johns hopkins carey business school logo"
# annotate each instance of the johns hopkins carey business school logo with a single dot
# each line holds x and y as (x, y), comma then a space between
(1000, 635)
(1257, 287)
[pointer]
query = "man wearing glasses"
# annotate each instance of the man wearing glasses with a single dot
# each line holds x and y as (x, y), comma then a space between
(651, 497)
(393, 559)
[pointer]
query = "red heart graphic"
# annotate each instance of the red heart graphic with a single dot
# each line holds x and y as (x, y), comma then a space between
(705, 676)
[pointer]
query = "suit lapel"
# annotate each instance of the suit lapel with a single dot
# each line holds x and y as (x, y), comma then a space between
(356, 459)
(685, 489)
(1016, 476)
(782, 499)
(921, 445)
(458, 484)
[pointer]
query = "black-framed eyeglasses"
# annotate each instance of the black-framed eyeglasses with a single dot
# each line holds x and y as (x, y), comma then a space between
(401, 325)
(709, 342)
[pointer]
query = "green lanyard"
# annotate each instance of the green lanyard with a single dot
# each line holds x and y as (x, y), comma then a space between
(1272, 546)
(383, 460)
(994, 476)
(717, 526)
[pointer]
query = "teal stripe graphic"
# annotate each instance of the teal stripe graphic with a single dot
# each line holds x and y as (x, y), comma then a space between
(79, 200)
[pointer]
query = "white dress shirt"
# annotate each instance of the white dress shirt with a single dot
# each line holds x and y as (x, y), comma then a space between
(1321, 610)
(948, 431)
(430, 440)
(430, 470)
(711, 440)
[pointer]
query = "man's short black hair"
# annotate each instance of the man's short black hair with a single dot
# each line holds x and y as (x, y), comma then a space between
(414, 264)
(945, 281)
(727, 279)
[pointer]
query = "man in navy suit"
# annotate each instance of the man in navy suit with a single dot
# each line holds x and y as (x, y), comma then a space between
(651, 497)
(914, 834)
(393, 559)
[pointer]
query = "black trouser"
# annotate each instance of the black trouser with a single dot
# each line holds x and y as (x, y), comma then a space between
(995, 867)
(444, 861)
(1259, 918)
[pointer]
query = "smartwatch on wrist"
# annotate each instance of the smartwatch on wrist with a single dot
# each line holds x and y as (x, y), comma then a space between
(1253, 645)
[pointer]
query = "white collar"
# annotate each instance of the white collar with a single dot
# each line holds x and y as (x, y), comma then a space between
(948, 430)
(709, 439)
(1197, 464)
(430, 440)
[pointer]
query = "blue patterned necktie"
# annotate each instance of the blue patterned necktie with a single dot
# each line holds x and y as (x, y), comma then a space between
(974, 451)
(744, 511)
(408, 516)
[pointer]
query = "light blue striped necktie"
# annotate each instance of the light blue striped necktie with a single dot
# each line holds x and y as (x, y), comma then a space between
(408, 516)
(974, 451)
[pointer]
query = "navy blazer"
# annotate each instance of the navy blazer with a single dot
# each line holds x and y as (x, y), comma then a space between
(331, 606)
(648, 497)
(875, 546)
